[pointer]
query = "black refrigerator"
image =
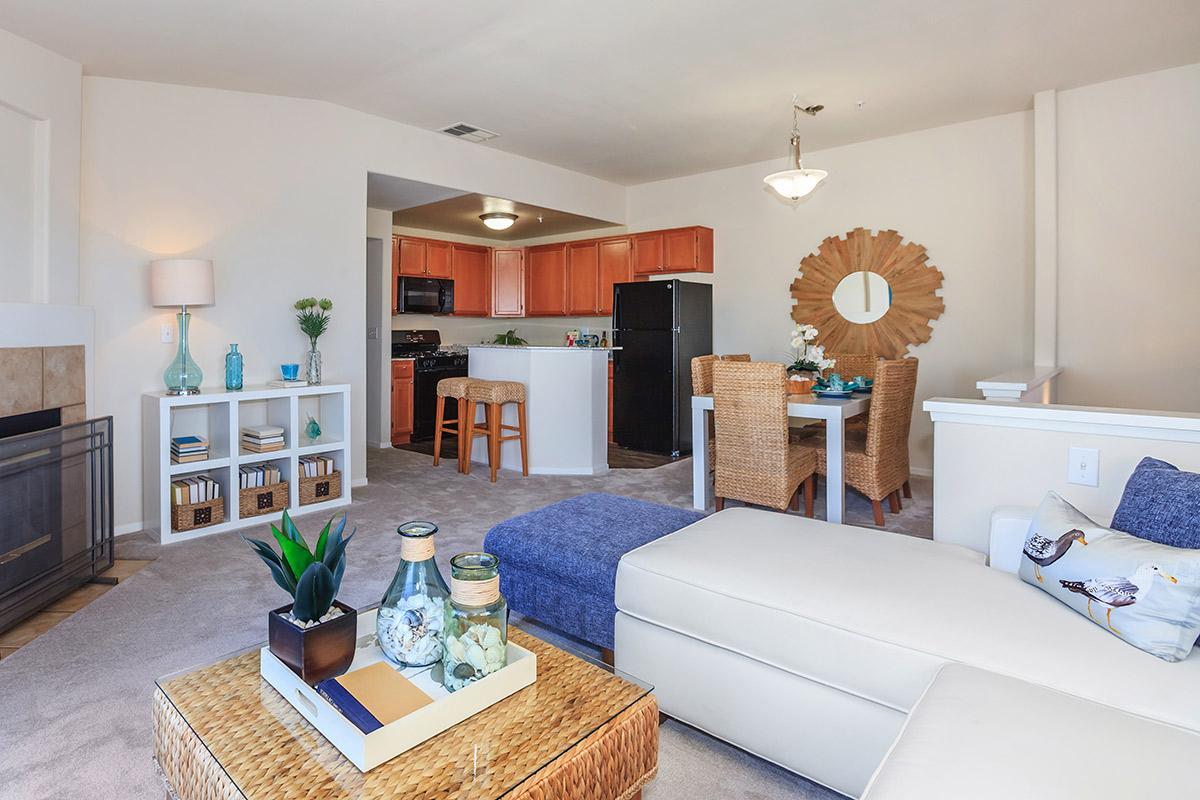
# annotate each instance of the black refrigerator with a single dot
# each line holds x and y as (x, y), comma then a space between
(660, 327)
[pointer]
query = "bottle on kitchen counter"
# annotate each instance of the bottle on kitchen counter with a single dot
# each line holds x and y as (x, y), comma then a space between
(604, 338)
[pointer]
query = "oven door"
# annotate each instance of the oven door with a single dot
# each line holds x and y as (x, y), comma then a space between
(425, 383)
(425, 295)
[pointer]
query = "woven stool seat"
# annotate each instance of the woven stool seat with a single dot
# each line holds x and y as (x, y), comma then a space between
(453, 387)
(496, 391)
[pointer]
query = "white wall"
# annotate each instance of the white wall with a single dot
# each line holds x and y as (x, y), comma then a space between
(273, 189)
(39, 174)
(991, 454)
(1129, 241)
(963, 191)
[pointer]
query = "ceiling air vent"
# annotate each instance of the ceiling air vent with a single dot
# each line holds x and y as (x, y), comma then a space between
(461, 130)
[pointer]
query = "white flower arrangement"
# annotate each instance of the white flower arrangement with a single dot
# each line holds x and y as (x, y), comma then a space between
(809, 357)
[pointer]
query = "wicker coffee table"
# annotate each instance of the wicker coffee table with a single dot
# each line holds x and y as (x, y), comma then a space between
(579, 733)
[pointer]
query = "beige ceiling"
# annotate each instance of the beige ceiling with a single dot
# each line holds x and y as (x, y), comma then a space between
(461, 215)
(630, 90)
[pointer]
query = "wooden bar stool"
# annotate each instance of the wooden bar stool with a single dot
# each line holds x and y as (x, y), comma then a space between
(455, 389)
(493, 395)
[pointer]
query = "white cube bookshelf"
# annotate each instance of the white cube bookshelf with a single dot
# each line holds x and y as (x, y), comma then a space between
(220, 416)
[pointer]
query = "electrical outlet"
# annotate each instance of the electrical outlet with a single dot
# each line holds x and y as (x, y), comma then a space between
(166, 333)
(1083, 466)
(373, 332)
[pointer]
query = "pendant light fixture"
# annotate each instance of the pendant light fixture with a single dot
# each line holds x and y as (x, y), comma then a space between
(796, 182)
(498, 220)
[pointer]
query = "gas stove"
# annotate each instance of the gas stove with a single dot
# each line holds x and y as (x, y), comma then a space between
(431, 363)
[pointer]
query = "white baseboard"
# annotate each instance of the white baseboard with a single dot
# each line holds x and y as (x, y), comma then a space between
(924, 472)
(381, 445)
(128, 528)
(358, 483)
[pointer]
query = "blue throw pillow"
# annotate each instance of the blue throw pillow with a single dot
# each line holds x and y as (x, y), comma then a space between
(1161, 503)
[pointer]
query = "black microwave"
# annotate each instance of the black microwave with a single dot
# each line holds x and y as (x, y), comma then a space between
(424, 296)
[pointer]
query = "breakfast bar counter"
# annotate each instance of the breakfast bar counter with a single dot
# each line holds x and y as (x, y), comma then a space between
(566, 410)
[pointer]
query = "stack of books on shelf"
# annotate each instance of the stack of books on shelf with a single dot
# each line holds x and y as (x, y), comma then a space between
(316, 466)
(185, 449)
(197, 489)
(262, 438)
(259, 475)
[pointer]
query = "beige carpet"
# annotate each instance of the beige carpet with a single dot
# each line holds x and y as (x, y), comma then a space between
(77, 699)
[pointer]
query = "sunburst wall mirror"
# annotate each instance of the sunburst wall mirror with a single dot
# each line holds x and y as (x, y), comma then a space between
(868, 293)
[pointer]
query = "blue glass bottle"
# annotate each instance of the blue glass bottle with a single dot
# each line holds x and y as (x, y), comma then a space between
(233, 369)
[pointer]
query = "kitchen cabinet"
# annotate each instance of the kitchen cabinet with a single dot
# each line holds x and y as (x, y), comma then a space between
(546, 278)
(470, 268)
(402, 400)
(427, 258)
(508, 282)
(395, 273)
(583, 276)
(673, 251)
(615, 266)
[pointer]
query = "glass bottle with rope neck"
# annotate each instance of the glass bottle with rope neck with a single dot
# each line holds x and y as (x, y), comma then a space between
(476, 630)
(411, 616)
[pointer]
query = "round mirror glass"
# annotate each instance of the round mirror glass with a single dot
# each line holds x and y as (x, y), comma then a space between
(862, 297)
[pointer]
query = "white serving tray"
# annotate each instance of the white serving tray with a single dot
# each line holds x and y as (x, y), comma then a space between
(368, 750)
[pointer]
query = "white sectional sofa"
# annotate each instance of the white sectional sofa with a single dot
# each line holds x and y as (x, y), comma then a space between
(809, 643)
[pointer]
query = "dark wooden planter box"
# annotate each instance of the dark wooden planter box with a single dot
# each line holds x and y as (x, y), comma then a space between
(316, 653)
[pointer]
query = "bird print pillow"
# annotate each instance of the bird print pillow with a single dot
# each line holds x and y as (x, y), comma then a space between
(1146, 593)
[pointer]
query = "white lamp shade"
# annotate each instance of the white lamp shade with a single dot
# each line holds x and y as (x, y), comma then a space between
(795, 183)
(181, 282)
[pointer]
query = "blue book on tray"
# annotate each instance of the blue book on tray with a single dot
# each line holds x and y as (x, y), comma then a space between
(344, 702)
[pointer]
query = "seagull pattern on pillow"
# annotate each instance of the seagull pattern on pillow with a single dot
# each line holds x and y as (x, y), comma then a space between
(1117, 592)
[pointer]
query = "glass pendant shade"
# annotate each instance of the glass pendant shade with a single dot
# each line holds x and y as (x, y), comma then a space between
(183, 376)
(795, 183)
(498, 220)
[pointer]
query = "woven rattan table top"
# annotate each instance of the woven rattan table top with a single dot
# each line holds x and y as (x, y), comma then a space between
(268, 750)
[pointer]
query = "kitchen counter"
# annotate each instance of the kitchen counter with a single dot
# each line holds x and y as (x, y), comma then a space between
(566, 408)
(542, 347)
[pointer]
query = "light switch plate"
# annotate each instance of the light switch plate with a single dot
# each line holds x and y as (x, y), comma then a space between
(166, 333)
(1083, 466)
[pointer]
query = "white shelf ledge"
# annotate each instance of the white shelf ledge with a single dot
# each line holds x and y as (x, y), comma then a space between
(1033, 383)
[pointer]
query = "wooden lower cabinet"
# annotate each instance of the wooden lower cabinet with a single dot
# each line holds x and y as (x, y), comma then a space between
(472, 273)
(610, 402)
(508, 282)
(402, 400)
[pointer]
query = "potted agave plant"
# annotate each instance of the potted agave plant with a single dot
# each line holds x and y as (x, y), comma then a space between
(315, 634)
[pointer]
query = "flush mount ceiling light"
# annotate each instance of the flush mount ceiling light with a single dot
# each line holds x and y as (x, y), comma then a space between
(796, 182)
(498, 220)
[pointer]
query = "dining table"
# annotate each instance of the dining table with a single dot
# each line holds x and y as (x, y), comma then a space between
(834, 411)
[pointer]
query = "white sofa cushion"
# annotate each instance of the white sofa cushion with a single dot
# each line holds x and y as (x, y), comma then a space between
(876, 614)
(985, 736)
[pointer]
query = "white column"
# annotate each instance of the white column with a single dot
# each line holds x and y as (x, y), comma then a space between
(700, 485)
(1045, 228)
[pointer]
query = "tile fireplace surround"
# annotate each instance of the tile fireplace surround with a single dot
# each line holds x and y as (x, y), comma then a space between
(42, 378)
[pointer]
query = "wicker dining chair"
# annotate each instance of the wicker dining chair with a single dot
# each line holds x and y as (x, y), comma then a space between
(755, 461)
(702, 384)
(851, 365)
(876, 458)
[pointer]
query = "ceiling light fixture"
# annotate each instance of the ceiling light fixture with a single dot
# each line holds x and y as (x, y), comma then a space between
(796, 182)
(498, 220)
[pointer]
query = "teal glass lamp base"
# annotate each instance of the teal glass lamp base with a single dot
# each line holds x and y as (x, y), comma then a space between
(183, 376)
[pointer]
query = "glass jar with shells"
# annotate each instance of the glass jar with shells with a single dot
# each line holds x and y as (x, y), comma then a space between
(412, 614)
(476, 631)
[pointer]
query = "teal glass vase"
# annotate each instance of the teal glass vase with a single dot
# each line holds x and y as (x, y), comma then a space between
(233, 369)
(184, 375)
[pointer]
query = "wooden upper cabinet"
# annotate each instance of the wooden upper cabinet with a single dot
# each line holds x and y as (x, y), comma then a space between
(615, 266)
(437, 260)
(647, 253)
(583, 265)
(411, 257)
(470, 268)
(508, 282)
(395, 272)
(675, 250)
(546, 276)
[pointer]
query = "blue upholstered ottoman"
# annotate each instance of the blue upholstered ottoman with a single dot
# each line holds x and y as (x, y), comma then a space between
(559, 564)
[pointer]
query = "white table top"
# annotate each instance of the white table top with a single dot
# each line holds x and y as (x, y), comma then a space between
(810, 406)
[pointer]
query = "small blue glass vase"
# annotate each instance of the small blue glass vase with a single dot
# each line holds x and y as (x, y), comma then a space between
(233, 369)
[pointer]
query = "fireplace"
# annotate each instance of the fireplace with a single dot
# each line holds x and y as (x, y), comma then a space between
(56, 529)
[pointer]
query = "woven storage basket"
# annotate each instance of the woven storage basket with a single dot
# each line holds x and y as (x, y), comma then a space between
(197, 515)
(320, 489)
(258, 500)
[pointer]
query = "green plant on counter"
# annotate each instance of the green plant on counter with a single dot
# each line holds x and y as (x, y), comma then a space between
(312, 317)
(311, 577)
(509, 337)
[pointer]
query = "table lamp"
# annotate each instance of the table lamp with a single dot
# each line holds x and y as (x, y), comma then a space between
(182, 282)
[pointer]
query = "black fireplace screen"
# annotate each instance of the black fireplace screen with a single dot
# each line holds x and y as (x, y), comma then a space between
(56, 515)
